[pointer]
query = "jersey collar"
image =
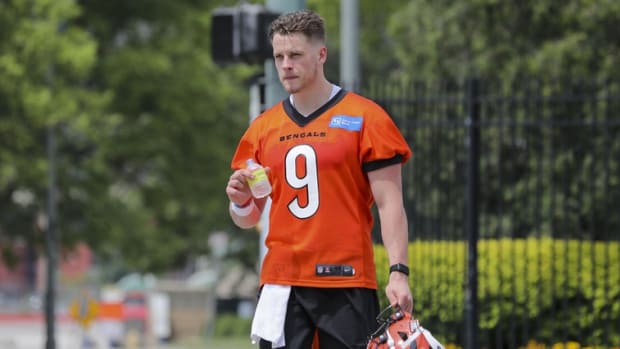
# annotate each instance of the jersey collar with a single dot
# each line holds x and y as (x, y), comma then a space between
(301, 120)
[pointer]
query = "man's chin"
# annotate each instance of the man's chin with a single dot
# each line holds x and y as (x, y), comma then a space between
(288, 87)
(291, 89)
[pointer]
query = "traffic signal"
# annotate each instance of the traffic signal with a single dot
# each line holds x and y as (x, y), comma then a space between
(241, 34)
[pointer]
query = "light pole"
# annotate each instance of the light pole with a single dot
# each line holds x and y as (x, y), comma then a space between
(349, 45)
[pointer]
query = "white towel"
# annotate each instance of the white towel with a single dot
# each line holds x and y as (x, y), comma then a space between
(268, 322)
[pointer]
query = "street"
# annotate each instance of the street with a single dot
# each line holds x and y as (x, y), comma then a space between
(26, 334)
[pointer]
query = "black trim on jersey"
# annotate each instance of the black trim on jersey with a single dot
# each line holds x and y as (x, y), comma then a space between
(301, 120)
(378, 164)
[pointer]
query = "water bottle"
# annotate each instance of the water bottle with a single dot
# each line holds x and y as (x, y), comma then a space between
(259, 185)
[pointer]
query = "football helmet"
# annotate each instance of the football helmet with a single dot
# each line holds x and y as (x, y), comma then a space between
(399, 330)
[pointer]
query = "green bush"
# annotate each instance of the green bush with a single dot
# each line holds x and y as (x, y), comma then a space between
(229, 326)
(551, 288)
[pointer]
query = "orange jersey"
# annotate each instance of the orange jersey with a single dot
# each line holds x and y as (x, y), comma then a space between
(320, 219)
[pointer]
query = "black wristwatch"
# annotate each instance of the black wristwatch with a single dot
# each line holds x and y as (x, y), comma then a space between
(399, 267)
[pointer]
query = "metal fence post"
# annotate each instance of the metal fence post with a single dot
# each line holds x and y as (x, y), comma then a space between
(472, 142)
(51, 242)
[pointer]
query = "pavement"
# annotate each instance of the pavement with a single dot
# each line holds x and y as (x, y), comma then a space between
(31, 335)
(28, 332)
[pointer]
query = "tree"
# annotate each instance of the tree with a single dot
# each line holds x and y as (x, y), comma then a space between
(376, 47)
(147, 126)
(504, 39)
(43, 66)
(525, 52)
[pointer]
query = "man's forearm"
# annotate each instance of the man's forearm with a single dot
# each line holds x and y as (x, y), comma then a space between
(394, 232)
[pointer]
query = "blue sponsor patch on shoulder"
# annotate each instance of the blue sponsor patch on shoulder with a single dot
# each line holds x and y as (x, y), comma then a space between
(350, 123)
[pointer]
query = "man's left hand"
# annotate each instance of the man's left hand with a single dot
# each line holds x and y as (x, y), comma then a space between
(398, 291)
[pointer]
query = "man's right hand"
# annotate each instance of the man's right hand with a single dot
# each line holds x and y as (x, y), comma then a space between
(237, 189)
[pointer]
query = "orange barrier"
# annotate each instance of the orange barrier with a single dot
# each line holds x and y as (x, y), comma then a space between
(111, 311)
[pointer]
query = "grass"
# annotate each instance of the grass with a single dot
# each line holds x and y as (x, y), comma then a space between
(218, 343)
(232, 343)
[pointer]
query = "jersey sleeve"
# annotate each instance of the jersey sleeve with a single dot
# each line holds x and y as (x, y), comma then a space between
(382, 143)
(246, 149)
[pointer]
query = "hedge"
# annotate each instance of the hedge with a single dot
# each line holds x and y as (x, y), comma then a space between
(544, 289)
(231, 326)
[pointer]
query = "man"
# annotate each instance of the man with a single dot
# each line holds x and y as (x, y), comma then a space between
(329, 153)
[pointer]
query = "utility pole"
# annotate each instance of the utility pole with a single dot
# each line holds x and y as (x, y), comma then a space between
(274, 93)
(350, 78)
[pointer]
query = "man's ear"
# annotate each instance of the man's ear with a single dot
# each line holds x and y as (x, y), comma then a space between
(322, 54)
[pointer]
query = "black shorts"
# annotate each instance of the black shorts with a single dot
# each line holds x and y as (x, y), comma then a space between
(343, 318)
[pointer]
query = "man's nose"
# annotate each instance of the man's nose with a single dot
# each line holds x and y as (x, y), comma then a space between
(287, 63)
